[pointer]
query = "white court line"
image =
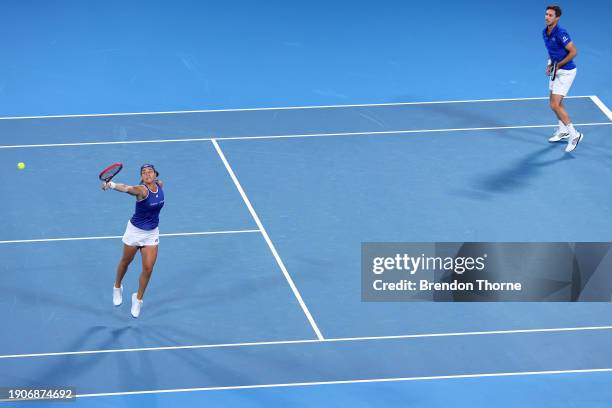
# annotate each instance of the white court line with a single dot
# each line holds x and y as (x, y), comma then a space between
(106, 143)
(280, 108)
(177, 234)
(328, 340)
(373, 380)
(601, 106)
(268, 240)
(385, 132)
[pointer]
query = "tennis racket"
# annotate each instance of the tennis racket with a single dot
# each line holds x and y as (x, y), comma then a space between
(111, 171)
(553, 71)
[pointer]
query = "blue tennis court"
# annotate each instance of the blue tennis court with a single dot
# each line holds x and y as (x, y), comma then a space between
(255, 298)
(257, 280)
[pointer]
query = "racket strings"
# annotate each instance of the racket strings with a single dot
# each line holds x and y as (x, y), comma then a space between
(110, 172)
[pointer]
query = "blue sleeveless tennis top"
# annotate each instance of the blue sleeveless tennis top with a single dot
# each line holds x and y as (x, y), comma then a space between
(146, 216)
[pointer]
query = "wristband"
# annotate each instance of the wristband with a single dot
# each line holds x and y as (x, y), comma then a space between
(112, 185)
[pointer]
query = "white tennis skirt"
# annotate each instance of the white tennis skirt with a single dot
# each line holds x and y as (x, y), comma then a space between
(135, 236)
(563, 81)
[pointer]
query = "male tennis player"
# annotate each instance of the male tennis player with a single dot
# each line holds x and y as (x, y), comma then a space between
(561, 50)
(142, 232)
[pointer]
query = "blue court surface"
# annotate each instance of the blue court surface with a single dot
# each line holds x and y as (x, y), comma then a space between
(255, 298)
(257, 283)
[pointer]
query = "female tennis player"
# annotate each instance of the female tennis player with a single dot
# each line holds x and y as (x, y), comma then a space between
(142, 232)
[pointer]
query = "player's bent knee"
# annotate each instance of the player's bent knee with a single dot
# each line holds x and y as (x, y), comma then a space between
(126, 261)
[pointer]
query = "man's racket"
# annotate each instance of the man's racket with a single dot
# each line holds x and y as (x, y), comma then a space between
(553, 71)
(111, 171)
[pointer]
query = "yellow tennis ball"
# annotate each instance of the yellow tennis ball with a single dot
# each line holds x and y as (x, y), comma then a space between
(21, 165)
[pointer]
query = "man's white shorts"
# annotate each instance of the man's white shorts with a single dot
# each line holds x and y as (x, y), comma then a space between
(135, 236)
(563, 81)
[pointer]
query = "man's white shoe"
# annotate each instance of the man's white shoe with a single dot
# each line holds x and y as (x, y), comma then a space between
(558, 136)
(573, 142)
(117, 295)
(136, 305)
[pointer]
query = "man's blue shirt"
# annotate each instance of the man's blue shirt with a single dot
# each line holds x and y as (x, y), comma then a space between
(555, 44)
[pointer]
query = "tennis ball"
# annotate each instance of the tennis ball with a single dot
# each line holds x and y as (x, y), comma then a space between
(21, 165)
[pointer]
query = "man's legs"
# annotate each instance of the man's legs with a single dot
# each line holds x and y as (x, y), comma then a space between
(558, 89)
(556, 104)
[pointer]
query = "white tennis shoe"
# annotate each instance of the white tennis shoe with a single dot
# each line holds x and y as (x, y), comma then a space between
(117, 295)
(573, 142)
(559, 135)
(136, 305)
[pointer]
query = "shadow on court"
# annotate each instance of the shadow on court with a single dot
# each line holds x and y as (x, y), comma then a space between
(518, 174)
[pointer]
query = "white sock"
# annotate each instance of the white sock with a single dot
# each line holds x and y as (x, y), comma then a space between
(572, 130)
(562, 127)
